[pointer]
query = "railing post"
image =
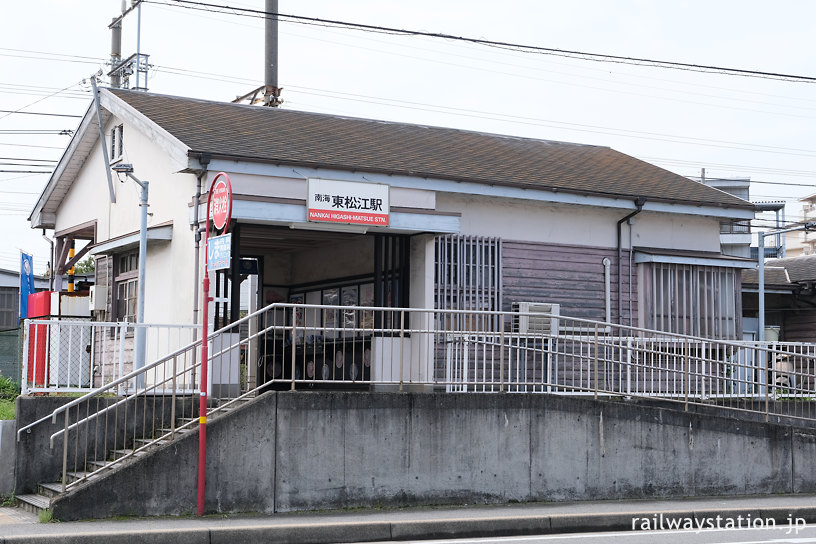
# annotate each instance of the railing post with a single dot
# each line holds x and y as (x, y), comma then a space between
(65, 453)
(173, 403)
(401, 350)
(629, 365)
(501, 355)
(767, 366)
(687, 385)
(294, 339)
(595, 377)
(122, 334)
(704, 357)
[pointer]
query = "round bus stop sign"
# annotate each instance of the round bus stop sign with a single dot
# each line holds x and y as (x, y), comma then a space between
(221, 201)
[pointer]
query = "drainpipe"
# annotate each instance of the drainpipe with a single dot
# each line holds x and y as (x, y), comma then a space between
(204, 160)
(607, 264)
(639, 202)
(51, 257)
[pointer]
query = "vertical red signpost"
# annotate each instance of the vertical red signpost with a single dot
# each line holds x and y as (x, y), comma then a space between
(219, 209)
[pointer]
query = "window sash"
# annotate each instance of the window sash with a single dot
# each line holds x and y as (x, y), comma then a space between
(126, 297)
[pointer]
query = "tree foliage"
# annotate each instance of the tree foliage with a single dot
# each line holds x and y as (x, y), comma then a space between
(85, 267)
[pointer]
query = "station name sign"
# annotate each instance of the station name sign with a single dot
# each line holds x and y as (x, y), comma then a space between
(348, 202)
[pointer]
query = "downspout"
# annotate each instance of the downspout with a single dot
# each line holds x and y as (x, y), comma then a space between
(51, 257)
(204, 161)
(607, 264)
(639, 202)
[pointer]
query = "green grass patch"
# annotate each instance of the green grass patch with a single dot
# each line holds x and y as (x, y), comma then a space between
(8, 392)
(8, 389)
(6, 409)
(46, 516)
(8, 500)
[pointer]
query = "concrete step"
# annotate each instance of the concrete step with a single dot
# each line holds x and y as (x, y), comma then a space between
(96, 465)
(50, 489)
(140, 442)
(118, 454)
(80, 475)
(176, 430)
(33, 503)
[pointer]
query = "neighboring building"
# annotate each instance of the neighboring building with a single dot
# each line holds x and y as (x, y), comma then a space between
(10, 297)
(10, 320)
(801, 242)
(735, 236)
(790, 297)
(476, 221)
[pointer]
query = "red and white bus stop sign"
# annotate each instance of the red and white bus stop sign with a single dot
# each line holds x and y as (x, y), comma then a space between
(221, 201)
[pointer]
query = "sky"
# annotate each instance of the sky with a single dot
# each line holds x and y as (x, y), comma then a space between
(680, 120)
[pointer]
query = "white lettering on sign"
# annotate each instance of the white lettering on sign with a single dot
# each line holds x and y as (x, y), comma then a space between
(221, 201)
(348, 202)
(219, 252)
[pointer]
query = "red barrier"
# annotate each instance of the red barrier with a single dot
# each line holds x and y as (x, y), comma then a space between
(39, 306)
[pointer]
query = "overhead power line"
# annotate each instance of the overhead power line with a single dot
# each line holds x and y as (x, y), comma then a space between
(28, 145)
(24, 159)
(58, 132)
(40, 113)
(41, 99)
(597, 57)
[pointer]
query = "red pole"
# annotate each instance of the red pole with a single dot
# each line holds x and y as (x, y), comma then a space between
(202, 419)
(224, 215)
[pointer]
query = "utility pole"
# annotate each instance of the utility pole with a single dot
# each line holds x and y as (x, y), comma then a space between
(116, 49)
(271, 89)
(121, 70)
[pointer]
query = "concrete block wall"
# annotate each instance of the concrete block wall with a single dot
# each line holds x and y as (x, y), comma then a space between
(8, 455)
(288, 451)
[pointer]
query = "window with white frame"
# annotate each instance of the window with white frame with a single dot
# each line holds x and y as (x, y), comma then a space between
(125, 286)
(116, 143)
(692, 299)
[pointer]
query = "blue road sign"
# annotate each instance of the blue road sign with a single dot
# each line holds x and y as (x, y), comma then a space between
(219, 251)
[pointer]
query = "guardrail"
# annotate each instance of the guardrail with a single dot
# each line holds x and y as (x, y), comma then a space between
(289, 346)
(70, 356)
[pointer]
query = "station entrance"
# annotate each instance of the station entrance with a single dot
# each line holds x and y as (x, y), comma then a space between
(328, 268)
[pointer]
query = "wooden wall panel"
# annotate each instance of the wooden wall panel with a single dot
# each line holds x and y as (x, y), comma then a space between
(568, 275)
(800, 326)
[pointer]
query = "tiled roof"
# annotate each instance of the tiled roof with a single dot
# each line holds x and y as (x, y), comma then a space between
(800, 269)
(290, 137)
(774, 275)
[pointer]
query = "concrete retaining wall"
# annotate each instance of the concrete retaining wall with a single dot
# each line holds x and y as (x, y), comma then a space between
(37, 462)
(290, 451)
(8, 455)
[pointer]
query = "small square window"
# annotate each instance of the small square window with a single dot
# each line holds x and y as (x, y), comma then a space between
(126, 286)
(116, 143)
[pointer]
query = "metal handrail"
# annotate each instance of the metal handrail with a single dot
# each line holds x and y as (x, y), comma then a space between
(102, 389)
(691, 366)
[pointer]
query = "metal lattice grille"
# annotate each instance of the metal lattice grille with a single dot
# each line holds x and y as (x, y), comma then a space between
(468, 274)
(692, 299)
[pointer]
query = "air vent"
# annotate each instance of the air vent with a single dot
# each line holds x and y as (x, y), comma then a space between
(536, 318)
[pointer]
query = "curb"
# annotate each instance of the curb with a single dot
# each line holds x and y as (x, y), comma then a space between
(496, 526)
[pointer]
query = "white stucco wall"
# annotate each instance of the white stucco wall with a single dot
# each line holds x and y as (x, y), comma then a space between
(169, 270)
(296, 188)
(578, 225)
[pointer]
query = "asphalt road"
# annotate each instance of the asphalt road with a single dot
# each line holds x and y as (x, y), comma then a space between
(633, 521)
(780, 535)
